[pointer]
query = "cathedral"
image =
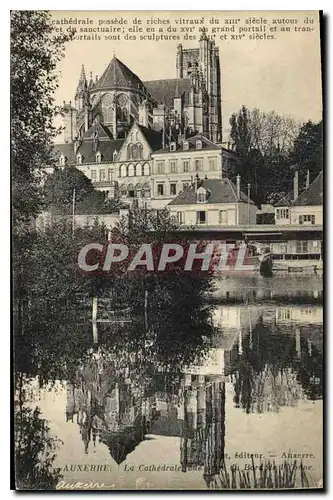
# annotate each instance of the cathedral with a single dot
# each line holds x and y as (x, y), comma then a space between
(184, 106)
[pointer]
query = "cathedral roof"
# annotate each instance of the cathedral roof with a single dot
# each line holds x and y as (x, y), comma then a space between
(118, 75)
(165, 90)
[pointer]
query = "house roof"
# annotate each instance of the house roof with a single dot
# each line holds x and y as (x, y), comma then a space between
(206, 144)
(153, 137)
(102, 131)
(106, 148)
(220, 191)
(118, 75)
(313, 195)
(165, 90)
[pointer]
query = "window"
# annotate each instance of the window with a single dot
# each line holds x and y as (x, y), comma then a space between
(130, 170)
(180, 217)
(223, 217)
(186, 165)
(160, 189)
(138, 189)
(201, 217)
(102, 175)
(185, 145)
(172, 146)
(173, 189)
(160, 167)
(173, 167)
(282, 213)
(130, 151)
(98, 157)
(62, 160)
(114, 156)
(301, 247)
(110, 174)
(146, 169)
(198, 144)
(198, 165)
(307, 219)
(138, 151)
(283, 248)
(146, 190)
(130, 191)
(123, 171)
(212, 164)
(79, 159)
(139, 170)
(93, 176)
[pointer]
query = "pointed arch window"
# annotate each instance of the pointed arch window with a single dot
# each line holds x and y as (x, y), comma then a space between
(138, 189)
(130, 151)
(123, 190)
(146, 190)
(146, 169)
(139, 151)
(114, 155)
(79, 159)
(130, 170)
(98, 157)
(131, 191)
(123, 171)
(62, 160)
(139, 170)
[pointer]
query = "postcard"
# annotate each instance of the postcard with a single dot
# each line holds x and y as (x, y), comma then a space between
(167, 226)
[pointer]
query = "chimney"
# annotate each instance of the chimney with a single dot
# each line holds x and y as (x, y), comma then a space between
(296, 185)
(238, 186)
(307, 184)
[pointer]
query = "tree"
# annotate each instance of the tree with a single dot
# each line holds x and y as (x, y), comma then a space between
(59, 189)
(307, 152)
(35, 52)
(264, 142)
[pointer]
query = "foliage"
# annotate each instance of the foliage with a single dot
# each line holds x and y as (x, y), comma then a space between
(35, 52)
(264, 141)
(59, 191)
(307, 152)
(34, 447)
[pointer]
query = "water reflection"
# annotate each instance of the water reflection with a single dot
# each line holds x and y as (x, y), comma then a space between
(176, 380)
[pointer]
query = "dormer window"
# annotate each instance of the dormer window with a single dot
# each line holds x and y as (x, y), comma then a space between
(201, 195)
(198, 144)
(172, 146)
(114, 156)
(98, 157)
(185, 145)
(79, 159)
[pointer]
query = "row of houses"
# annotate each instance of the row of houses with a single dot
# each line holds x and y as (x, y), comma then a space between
(189, 176)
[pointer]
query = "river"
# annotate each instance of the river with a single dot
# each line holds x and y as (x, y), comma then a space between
(255, 388)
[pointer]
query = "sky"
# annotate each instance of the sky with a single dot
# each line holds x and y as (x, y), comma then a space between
(283, 74)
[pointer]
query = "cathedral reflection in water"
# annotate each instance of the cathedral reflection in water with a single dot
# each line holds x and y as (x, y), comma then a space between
(270, 355)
